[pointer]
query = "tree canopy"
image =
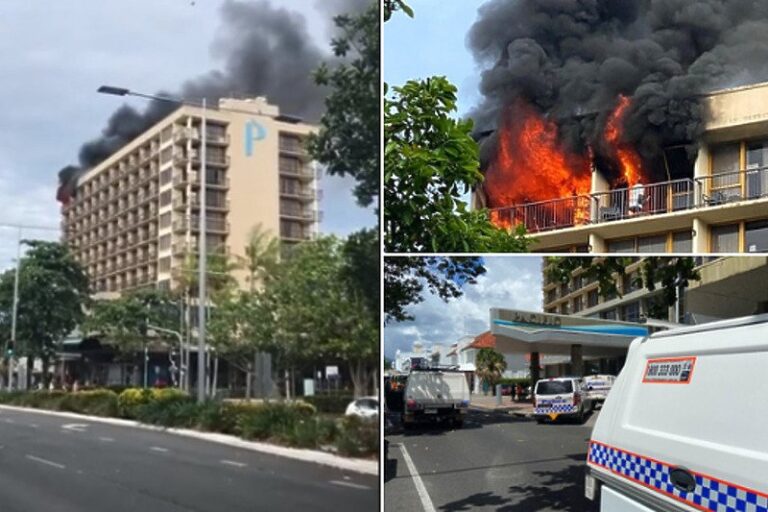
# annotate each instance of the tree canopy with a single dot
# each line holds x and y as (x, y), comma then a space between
(490, 365)
(349, 140)
(430, 163)
(405, 278)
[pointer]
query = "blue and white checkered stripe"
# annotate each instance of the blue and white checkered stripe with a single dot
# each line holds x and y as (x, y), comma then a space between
(563, 408)
(710, 494)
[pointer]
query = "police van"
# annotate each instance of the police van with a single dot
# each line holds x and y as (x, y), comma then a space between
(684, 427)
(563, 397)
(598, 387)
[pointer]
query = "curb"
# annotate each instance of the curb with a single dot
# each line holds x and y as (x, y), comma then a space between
(369, 467)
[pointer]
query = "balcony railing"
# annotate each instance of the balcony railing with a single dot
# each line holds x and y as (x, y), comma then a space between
(602, 207)
(732, 187)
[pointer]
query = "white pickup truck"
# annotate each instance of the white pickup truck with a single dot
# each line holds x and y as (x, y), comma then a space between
(436, 395)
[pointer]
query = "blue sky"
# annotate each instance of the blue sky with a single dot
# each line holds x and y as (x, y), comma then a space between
(433, 44)
(510, 282)
(54, 56)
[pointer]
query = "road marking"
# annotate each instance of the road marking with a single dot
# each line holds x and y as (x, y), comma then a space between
(350, 484)
(233, 463)
(9, 420)
(44, 461)
(75, 427)
(158, 449)
(34, 425)
(426, 502)
(106, 439)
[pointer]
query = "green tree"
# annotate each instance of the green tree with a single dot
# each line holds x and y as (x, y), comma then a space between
(320, 314)
(405, 278)
(53, 292)
(123, 321)
(665, 274)
(349, 141)
(390, 6)
(430, 163)
(490, 366)
(261, 257)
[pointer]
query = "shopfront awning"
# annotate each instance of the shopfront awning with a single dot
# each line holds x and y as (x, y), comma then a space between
(525, 331)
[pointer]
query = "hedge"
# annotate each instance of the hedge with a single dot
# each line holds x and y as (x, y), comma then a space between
(294, 423)
(331, 404)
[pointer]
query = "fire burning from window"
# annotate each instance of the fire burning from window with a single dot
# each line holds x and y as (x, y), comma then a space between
(535, 172)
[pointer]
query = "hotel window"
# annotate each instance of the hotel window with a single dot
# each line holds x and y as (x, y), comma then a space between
(215, 154)
(725, 239)
(756, 179)
(165, 198)
(165, 176)
(725, 158)
(215, 131)
(165, 242)
(608, 315)
(621, 246)
(756, 236)
(564, 309)
(165, 220)
(631, 312)
(592, 298)
(165, 264)
(682, 243)
(166, 155)
(578, 302)
(652, 244)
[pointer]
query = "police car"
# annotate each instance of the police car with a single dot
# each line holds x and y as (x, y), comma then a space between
(598, 387)
(684, 427)
(560, 397)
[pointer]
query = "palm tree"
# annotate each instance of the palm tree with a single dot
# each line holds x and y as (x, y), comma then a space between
(490, 366)
(261, 256)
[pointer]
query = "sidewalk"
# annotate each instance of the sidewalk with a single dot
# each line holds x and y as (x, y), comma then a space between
(508, 406)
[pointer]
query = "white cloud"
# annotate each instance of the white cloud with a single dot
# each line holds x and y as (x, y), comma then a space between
(510, 282)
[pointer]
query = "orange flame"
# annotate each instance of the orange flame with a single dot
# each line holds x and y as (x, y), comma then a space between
(628, 159)
(532, 165)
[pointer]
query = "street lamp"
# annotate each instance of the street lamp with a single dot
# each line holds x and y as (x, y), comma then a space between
(202, 258)
(181, 347)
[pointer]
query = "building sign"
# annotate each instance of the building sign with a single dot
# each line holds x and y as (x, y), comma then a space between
(529, 320)
(254, 131)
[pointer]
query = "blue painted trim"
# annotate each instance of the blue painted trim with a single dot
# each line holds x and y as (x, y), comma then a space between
(622, 330)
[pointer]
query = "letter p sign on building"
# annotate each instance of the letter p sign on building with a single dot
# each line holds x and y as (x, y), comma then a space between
(253, 132)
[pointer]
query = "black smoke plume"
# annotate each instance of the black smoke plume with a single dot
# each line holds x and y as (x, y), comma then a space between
(573, 58)
(267, 51)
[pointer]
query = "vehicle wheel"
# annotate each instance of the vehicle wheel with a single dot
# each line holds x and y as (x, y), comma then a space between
(539, 420)
(458, 422)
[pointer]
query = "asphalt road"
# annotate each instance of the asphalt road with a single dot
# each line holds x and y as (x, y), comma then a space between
(51, 463)
(495, 462)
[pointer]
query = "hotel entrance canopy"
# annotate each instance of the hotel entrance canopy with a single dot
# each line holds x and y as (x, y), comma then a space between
(525, 331)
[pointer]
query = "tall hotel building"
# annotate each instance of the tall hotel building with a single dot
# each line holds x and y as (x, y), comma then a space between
(131, 220)
(717, 205)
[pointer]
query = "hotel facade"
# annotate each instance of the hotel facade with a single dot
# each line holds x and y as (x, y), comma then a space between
(720, 205)
(132, 220)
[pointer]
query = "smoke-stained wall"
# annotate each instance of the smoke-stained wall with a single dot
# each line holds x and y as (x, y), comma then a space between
(267, 51)
(573, 58)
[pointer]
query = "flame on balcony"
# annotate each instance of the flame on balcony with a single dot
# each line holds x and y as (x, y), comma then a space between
(532, 165)
(626, 157)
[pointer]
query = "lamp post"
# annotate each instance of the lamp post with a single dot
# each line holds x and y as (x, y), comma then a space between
(181, 347)
(203, 253)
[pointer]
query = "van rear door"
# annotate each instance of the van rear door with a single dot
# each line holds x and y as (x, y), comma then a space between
(686, 419)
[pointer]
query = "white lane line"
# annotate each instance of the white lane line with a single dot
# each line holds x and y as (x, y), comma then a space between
(34, 425)
(233, 463)
(158, 449)
(48, 462)
(75, 427)
(350, 484)
(426, 502)
(106, 439)
(9, 420)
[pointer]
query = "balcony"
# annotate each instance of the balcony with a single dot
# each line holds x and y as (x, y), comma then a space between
(302, 215)
(296, 171)
(733, 187)
(620, 204)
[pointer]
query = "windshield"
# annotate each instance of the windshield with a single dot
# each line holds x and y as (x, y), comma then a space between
(554, 387)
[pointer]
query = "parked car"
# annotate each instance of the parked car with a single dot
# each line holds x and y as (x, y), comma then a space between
(436, 395)
(562, 397)
(684, 425)
(598, 387)
(366, 407)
